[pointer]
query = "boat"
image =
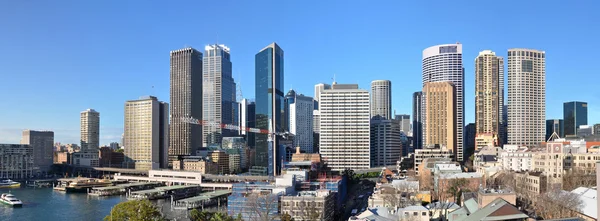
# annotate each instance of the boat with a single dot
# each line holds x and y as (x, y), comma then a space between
(9, 184)
(10, 200)
(81, 185)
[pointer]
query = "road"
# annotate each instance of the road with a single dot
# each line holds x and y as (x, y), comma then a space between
(353, 202)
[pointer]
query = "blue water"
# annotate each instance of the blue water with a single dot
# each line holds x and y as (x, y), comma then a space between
(47, 204)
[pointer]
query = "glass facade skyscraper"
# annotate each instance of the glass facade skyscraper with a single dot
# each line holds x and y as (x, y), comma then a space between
(270, 113)
(417, 120)
(555, 125)
(574, 115)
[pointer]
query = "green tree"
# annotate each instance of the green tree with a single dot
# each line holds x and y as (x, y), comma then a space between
(196, 215)
(350, 174)
(134, 210)
(286, 217)
(455, 187)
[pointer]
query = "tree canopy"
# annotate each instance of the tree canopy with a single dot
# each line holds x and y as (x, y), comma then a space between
(196, 215)
(134, 210)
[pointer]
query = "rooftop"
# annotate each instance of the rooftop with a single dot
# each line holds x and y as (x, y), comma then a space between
(589, 202)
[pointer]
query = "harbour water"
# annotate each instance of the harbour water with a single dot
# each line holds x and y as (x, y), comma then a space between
(47, 204)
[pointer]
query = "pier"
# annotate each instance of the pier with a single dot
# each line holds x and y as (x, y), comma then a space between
(204, 199)
(175, 192)
(123, 189)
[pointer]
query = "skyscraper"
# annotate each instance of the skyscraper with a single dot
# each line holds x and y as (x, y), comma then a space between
(300, 119)
(574, 115)
(269, 106)
(417, 120)
(319, 88)
(444, 63)
(42, 143)
(218, 94)
(345, 143)
(186, 101)
(441, 122)
(247, 116)
(381, 98)
(489, 93)
(404, 121)
(526, 96)
(555, 126)
(146, 133)
(386, 146)
(90, 130)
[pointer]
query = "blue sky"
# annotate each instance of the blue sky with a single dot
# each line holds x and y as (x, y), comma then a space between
(58, 58)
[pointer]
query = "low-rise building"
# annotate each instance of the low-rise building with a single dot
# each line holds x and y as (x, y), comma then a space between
(589, 203)
(444, 182)
(62, 157)
(531, 184)
(310, 205)
(110, 158)
(422, 154)
(197, 164)
(86, 158)
(518, 159)
(16, 161)
(485, 140)
(222, 159)
(414, 213)
(498, 209)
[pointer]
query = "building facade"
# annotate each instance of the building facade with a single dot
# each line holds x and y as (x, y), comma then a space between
(218, 94)
(42, 143)
(16, 161)
(386, 146)
(146, 133)
(299, 110)
(381, 98)
(489, 92)
(574, 115)
(440, 119)
(247, 119)
(417, 124)
(345, 143)
(186, 101)
(554, 126)
(269, 106)
(90, 130)
(310, 205)
(444, 63)
(404, 122)
(196, 164)
(526, 96)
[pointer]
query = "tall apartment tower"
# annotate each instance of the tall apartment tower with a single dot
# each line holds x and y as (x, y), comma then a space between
(386, 145)
(444, 63)
(42, 143)
(218, 94)
(489, 93)
(381, 98)
(300, 119)
(417, 123)
(186, 101)
(90, 130)
(146, 133)
(269, 107)
(345, 143)
(575, 114)
(440, 121)
(526, 96)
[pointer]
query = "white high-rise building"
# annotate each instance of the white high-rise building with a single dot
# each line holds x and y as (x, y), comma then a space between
(381, 98)
(526, 96)
(146, 133)
(345, 127)
(300, 114)
(444, 63)
(90, 130)
(319, 88)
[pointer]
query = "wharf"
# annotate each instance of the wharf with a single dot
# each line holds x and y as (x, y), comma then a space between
(123, 189)
(176, 192)
(204, 199)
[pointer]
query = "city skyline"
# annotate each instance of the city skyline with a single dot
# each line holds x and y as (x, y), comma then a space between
(61, 79)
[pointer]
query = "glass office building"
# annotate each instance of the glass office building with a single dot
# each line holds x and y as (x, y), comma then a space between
(269, 106)
(574, 115)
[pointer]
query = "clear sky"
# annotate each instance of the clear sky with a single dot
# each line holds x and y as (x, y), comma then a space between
(58, 58)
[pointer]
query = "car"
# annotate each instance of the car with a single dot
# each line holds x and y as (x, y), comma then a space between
(361, 196)
(354, 211)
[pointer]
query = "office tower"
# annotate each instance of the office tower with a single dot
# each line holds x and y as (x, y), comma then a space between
(269, 106)
(317, 113)
(469, 139)
(319, 88)
(503, 136)
(526, 96)
(300, 118)
(489, 93)
(574, 115)
(146, 133)
(596, 129)
(440, 121)
(345, 143)
(42, 143)
(444, 63)
(16, 161)
(386, 146)
(417, 125)
(404, 121)
(381, 98)
(555, 126)
(186, 101)
(90, 130)
(247, 116)
(218, 94)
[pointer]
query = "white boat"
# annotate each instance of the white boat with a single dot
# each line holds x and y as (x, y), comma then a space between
(9, 184)
(10, 200)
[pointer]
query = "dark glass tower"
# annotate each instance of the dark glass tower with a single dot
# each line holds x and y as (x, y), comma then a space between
(555, 125)
(417, 124)
(574, 115)
(269, 106)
